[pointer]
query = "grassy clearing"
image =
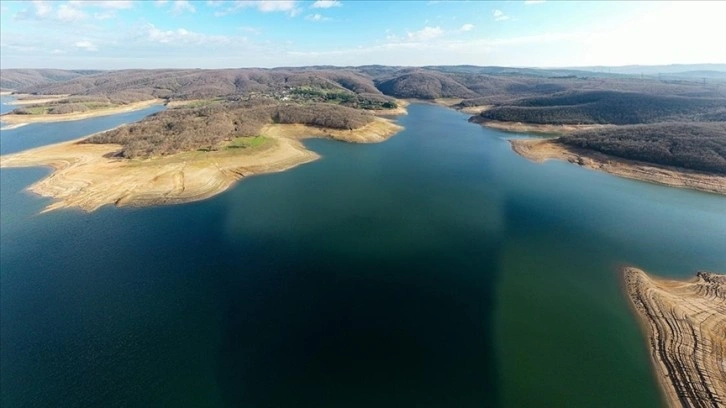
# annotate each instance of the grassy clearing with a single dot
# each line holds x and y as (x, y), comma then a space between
(247, 142)
(38, 110)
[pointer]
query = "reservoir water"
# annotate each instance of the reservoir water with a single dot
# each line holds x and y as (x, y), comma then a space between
(437, 269)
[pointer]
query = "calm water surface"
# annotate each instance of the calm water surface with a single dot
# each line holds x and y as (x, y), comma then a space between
(437, 269)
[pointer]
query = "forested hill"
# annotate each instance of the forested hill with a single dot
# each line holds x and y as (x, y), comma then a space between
(673, 122)
(474, 85)
(694, 146)
(24, 78)
(608, 107)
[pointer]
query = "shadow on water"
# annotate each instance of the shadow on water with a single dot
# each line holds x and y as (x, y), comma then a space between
(368, 289)
(435, 269)
(310, 329)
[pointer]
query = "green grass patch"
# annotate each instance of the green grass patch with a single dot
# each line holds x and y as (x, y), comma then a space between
(247, 142)
(37, 110)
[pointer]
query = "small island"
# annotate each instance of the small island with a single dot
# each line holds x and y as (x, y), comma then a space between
(685, 326)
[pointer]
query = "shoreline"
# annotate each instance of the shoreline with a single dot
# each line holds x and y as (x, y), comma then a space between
(14, 119)
(520, 127)
(87, 176)
(30, 99)
(13, 126)
(683, 323)
(541, 150)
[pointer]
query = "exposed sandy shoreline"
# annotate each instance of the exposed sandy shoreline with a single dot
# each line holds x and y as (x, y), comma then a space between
(29, 99)
(475, 110)
(14, 126)
(88, 177)
(685, 326)
(540, 150)
(12, 118)
(519, 127)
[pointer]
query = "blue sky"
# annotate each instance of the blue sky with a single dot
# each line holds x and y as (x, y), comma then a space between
(223, 34)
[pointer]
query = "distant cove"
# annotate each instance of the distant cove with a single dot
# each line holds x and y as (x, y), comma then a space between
(437, 268)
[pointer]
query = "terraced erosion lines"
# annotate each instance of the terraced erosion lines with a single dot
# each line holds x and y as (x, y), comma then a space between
(685, 324)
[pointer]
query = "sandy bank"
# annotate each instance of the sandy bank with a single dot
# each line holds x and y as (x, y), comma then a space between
(12, 118)
(540, 150)
(88, 176)
(475, 110)
(13, 126)
(4, 93)
(685, 325)
(29, 99)
(401, 109)
(519, 127)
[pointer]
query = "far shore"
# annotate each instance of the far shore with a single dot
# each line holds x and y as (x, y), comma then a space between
(540, 150)
(88, 176)
(519, 127)
(684, 323)
(14, 119)
(30, 99)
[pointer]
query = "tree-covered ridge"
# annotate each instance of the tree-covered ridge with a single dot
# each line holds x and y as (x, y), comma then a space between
(695, 146)
(607, 107)
(209, 126)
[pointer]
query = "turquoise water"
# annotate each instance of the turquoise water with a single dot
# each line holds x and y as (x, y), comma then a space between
(437, 269)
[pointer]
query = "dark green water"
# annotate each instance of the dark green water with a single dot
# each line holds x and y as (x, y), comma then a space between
(437, 269)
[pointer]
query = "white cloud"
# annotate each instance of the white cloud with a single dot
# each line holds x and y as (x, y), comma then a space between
(467, 27)
(316, 17)
(159, 3)
(528, 2)
(69, 14)
(85, 45)
(182, 36)
(252, 30)
(42, 8)
(265, 6)
(181, 6)
(105, 4)
(57, 51)
(425, 34)
(73, 10)
(324, 4)
(499, 15)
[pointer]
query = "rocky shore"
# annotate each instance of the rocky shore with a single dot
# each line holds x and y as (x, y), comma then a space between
(685, 326)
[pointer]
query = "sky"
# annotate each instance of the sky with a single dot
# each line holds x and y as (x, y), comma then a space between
(118, 34)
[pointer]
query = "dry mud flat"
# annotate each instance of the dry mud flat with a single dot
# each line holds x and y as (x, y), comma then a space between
(540, 150)
(88, 176)
(685, 325)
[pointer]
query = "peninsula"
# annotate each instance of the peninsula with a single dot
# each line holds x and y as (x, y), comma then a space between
(189, 153)
(679, 141)
(685, 326)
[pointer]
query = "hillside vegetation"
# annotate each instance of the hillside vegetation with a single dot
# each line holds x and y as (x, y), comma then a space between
(695, 146)
(17, 79)
(677, 122)
(607, 107)
(209, 126)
